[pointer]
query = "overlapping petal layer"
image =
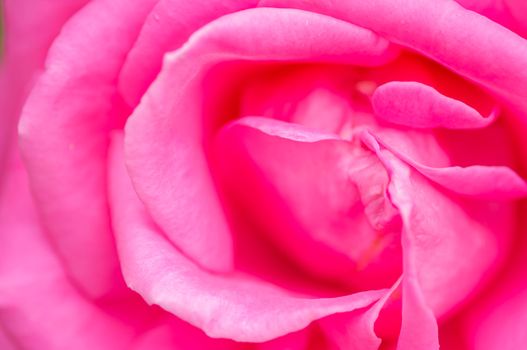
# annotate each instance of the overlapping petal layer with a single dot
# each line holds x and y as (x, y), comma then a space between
(491, 55)
(317, 195)
(35, 293)
(166, 28)
(64, 137)
(164, 136)
(223, 305)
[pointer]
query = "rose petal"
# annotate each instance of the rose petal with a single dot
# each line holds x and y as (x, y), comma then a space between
(417, 105)
(63, 136)
(165, 157)
(28, 30)
(494, 182)
(432, 251)
(226, 306)
(35, 294)
(318, 195)
(5, 342)
(510, 13)
(166, 28)
(355, 330)
(497, 319)
(501, 325)
(175, 334)
(491, 55)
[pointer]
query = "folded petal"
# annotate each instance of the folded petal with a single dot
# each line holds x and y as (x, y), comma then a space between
(164, 138)
(432, 253)
(231, 305)
(417, 105)
(63, 136)
(356, 330)
(166, 28)
(491, 182)
(318, 195)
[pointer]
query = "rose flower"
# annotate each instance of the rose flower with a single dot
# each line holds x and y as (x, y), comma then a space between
(273, 174)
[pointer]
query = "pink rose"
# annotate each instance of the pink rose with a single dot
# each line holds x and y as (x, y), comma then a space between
(273, 174)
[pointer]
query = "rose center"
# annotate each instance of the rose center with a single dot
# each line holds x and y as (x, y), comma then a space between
(324, 203)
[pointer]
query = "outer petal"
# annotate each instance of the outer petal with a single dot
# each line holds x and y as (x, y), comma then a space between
(28, 30)
(35, 294)
(226, 306)
(164, 139)
(487, 53)
(166, 28)
(63, 136)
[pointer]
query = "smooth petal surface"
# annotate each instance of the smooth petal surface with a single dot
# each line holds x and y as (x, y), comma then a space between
(166, 28)
(164, 136)
(35, 294)
(28, 30)
(226, 306)
(501, 325)
(416, 105)
(510, 13)
(497, 318)
(63, 137)
(175, 334)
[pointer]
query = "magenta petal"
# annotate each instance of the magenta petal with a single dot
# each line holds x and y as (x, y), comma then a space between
(63, 136)
(436, 248)
(39, 308)
(164, 137)
(496, 182)
(223, 305)
(491, 55)
(417, 105)
(29, 27)
(166, 28)
(318, 195)
(501, 323)
(355, 331)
